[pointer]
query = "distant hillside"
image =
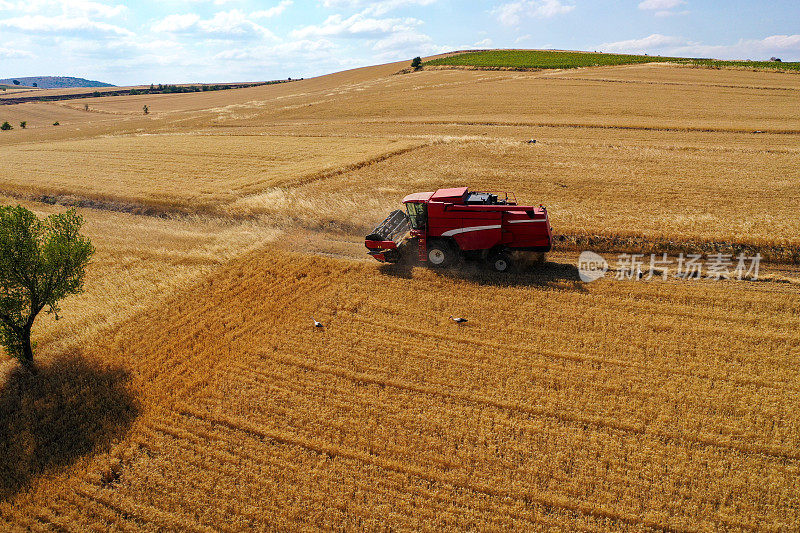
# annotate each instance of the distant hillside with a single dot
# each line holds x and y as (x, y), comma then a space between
(55, 82)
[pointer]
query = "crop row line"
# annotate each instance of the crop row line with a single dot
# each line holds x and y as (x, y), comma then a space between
(574, 357)
(228, 466)
(598, 511)
(768, 451)
(140, 512)
(241, 369)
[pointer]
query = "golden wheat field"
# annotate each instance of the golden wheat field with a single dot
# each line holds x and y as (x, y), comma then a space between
(187, 388)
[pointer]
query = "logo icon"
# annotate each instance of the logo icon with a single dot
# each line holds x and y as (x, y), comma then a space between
(591, 266)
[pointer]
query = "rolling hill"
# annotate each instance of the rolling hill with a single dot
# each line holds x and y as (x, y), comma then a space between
(55, 82)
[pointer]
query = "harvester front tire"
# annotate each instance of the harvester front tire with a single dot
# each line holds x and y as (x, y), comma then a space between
(440, 255)
(500, 262)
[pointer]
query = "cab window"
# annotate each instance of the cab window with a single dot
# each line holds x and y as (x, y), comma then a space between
(417, 214)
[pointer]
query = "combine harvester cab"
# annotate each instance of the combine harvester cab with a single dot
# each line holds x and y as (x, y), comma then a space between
(451, 224)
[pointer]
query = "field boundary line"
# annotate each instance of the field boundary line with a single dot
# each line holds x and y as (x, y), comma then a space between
(678, 83)
(87, 202)
(574, 125)
(351, 167)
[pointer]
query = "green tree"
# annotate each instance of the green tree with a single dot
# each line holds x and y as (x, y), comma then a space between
(416, 62)
(23, 124)
(16, 82)
(41, 262)
(6, 126)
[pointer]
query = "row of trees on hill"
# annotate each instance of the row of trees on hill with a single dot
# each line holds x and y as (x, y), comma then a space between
(5, 126)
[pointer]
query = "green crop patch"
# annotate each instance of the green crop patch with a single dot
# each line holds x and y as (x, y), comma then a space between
(547, 59)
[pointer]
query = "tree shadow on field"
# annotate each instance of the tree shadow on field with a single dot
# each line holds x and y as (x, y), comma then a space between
(547, 274)
(49, 419)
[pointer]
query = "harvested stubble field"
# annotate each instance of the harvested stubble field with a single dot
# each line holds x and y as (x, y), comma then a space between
(191, 173)
(186, 389)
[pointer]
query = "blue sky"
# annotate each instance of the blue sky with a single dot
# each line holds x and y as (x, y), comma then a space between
(170, 41)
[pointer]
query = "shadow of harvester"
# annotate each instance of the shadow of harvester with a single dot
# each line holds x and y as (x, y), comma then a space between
(548, 274)
(50, 419)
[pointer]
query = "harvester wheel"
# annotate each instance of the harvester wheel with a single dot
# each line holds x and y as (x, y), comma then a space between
(500, 262)
(440, 254)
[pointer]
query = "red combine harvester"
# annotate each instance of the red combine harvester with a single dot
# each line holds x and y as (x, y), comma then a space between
(450, 224)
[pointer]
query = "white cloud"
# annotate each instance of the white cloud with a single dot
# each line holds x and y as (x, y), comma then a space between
(215, 2)
(273, 11)
(756, 49)
(232, 24)
(389, 38)
(483, 43)
(130, 51)
(8, 53)
(655, 41)
(405, 45)
(781, 42)
(72, 8)
(512, 13)
(663, 8)
(661, 5)
(402, 41)
(176, 23)
(378, 8)
(41, 24)
(91, 9)
(670, 13)
(279, 52)
(356, 25)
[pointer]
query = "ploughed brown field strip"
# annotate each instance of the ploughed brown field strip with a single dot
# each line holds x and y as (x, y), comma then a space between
(188, 389)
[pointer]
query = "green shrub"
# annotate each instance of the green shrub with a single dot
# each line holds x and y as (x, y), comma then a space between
(6, 126)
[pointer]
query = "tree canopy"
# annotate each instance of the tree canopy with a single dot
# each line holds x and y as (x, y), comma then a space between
(41, 262)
